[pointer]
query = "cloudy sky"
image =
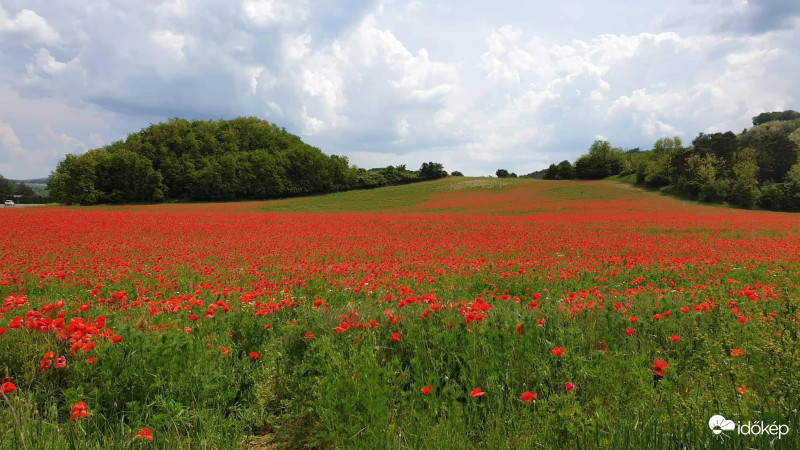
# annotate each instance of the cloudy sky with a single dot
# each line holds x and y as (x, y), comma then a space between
(475, 85)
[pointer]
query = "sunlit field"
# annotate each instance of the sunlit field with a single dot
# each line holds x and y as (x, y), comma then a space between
(460, 313)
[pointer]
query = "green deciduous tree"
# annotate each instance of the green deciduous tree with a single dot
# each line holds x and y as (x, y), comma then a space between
(73, 181)
(602, 161)
(745, 191)
(432, 171)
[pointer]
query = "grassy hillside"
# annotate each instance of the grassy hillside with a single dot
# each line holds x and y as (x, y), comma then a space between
(484, 196)
(407, 197)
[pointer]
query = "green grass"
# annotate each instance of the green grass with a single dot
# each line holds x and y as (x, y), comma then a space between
(388, 199)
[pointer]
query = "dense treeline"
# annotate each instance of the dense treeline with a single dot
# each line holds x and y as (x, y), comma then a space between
(243, 158)
(757, 168)
(19, 192)
(775, 115)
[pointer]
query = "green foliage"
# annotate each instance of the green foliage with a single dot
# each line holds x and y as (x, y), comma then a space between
(20, 192)
(655, 172)
(751, 170)
(562, 171)
(721, 145)
(502, 173)
(745, 191)
(74, 181)
(432, 171)
(777, 115)
(783, 196)
(243, 158)
(551, 173)
(456, 173)
(602, 161)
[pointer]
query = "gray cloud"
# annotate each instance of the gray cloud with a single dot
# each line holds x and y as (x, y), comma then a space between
(761, 16)
(388, 82)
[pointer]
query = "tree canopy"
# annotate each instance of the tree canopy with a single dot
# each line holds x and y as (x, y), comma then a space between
(758, 168)
(776, 115)
(243, 158)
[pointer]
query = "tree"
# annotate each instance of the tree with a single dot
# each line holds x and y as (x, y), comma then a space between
(456, 173)
(654, 171)
(721, 145)
(783, 196)
(215, 160)
(502, 173)
(777, 115)
(73, 181)
(432, 171)
(551, 173)
(565, 171)
(602, 161)
(744, 191)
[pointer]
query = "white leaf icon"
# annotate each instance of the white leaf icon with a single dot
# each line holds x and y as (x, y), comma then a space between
(718, 424)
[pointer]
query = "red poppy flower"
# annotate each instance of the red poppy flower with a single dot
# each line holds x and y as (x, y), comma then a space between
(569, 386)
(477, 392)
(737, 352)
(427, 390)
(396, 336)
(91, 360)
(145, 433)
(61, 362)
(558, 351)
(223, 350)
(268, 326)
(79, 411)
(116, 339)
(45, 364)
(7, 387)
(309, 335)
(633, 319)
(519, 329)
(254, 355)
(674, 338)
(659, 366)
(630, 331)
(742, 390)
(528, 396)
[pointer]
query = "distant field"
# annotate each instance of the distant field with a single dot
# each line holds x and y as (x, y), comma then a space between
(459, 313)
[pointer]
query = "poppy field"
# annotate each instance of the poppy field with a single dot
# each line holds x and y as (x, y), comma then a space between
(469, 313)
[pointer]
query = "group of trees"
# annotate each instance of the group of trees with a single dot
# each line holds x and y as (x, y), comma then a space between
(243, 158)
(757, 168)
(776, 115)
(19, 192)
(503, 173)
